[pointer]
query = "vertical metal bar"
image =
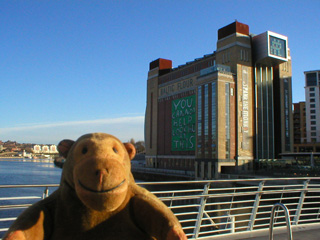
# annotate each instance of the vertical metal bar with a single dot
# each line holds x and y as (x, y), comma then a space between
(201, 210)
(45, 193)
(232, 223)
(301, 202)
(230, 217)
(312, 160)
(318, 214)
(171, 199)
(255, 206)
(287, 217)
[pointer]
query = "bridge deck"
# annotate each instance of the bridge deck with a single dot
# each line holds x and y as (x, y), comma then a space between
(299, 235)
(306, 232)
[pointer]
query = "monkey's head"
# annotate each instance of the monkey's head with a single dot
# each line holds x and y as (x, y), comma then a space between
(98, 168)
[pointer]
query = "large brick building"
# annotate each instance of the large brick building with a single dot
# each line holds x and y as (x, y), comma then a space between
(220, 112)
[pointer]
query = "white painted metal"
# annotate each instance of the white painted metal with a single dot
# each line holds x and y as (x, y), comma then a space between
(227, 206)
(287, 217)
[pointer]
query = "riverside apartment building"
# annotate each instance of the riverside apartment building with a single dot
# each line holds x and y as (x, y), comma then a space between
(220, 112)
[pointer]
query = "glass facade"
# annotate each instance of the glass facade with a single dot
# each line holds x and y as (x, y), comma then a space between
(207, 121)
(265, 131)
(278, 47)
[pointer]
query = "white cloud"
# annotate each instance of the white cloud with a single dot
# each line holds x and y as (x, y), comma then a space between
(124, 128)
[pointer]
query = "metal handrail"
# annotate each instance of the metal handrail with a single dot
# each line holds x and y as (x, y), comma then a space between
(287, 217)
(228, 206)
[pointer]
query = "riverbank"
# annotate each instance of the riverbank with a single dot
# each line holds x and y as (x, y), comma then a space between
(21, 159)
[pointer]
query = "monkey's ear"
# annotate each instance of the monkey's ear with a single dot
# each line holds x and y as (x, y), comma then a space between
(64, 147)
(130, 149)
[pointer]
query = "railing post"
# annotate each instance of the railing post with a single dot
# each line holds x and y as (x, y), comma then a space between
(287, 217)
(232, 224)
(255, 206)
(301, 201)
(171, 199)
(201, 210)
(45, 193)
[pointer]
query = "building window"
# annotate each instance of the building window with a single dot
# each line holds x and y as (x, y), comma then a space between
(214, 120)
(244, 55)
(312, 100)
(313, 140)
(311, 89)
(312, 94)
(199, 120)
(313, 123)
(312, 105)
(206, 121)
(151, 120)
(311, 79)
(313, 134)
(313, 128)
(312, 111)
(313, 116)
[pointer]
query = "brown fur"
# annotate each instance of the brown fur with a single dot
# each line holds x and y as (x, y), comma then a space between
(97, 199)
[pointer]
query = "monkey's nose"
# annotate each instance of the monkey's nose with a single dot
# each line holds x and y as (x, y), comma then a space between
(101, 173)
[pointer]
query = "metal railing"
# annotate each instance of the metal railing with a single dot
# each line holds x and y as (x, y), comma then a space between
(287, 217)
(211, 208)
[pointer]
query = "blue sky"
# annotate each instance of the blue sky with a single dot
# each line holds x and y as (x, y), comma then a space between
(73, 67)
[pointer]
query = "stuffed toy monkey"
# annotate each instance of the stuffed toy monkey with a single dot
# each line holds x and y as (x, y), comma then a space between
(97, 199)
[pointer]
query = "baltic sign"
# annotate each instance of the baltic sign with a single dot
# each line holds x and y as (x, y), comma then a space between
(245, 109)
(184, 124)
(174, 88)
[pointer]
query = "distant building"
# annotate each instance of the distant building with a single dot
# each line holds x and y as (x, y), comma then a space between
(37, 148)
(299, 123)
(53, 149)
(220, 112)
(307, 116)
(312, 93)
(45, 149)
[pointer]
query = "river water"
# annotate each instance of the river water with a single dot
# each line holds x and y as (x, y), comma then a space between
(28, 172)
(19, 171)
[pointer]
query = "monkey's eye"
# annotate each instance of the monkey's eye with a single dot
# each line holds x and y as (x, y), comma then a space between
(115, 150)
(84, 150)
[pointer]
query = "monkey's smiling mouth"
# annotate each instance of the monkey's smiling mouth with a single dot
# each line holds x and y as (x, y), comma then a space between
(102, 191)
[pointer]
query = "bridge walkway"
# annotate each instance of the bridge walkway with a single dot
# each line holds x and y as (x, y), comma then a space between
(306, 232)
